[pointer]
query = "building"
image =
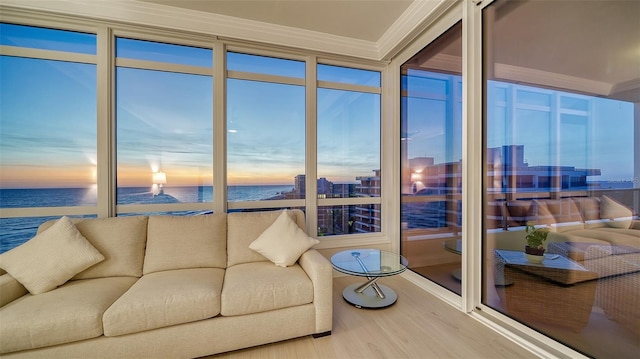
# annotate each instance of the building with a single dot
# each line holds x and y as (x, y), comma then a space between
(368, 217)
(508, 172)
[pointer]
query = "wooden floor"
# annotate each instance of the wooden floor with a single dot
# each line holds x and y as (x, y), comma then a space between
(417, 326)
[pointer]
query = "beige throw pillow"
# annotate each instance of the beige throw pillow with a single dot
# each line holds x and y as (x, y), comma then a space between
(283, 242)
(619, 216)
(51, 258)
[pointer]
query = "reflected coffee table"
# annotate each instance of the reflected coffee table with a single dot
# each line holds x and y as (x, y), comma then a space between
(372, 264)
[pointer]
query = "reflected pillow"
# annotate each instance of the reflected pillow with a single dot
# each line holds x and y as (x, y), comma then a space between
(618, 215)
(283, 242)
(51, 258)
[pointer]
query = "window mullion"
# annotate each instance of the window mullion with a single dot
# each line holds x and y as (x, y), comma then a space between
(105, 171)
(311, 168)
(219, 128)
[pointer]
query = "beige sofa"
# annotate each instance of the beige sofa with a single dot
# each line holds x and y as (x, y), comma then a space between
(170, 287)
(594, 220)
(599, 233)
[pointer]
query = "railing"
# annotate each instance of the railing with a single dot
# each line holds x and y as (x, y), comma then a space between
(497, 214)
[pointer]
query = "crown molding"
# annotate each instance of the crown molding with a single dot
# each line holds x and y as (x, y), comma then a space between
(627, 90)
(538, 77)
(415, 19)
(157, 15)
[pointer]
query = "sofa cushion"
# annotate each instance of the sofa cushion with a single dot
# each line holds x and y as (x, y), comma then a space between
(619, 236)
(555, 211)
(611, 260)
(619, 216)
(283, 242)
(166, 298)
(50, 258)
(120, 239)
(245, 227)
(519, 212)
(180, 242)
(261, 286)
(589, 207)
(602, 236)
(70, 313)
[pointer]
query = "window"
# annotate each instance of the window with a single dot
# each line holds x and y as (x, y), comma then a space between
(562, 151)
(348, 155)
(431, 160)
(48, 103)
(164, 97)
(155, 153)
(265, 129)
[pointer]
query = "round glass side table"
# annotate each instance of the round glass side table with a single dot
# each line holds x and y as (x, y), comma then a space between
(372, 264)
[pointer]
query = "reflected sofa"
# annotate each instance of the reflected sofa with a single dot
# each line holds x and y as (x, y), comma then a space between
(599, 233)
(172, 287)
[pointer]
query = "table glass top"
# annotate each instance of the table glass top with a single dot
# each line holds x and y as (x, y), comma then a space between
(550, 260)
(554, 267)
(369, 262)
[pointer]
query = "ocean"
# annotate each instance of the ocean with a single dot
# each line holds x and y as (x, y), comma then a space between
(15, 231)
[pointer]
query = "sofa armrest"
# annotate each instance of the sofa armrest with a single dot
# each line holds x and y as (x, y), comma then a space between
(10, 289)
(319, 269)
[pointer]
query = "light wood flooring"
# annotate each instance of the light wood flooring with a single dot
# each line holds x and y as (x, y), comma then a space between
(418, 325)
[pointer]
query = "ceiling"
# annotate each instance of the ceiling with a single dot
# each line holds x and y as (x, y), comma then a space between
(358, 19)
(600, 54)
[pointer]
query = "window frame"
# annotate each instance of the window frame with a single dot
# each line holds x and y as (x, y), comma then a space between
(156, 66)
(106, 62)
(71, 57)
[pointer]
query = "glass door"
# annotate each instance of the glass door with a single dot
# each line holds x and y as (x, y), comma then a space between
(431, 159)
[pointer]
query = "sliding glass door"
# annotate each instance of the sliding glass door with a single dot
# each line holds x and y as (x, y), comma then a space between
(562, 148)
(431, 160)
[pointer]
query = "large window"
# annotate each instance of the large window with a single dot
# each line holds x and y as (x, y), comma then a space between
(116, 120)
(47, 128)
(431, 158)
(348, 156)
(164, 121)
(562, 155)
(265, 128)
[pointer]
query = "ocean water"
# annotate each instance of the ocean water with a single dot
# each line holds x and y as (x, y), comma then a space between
(15, 231)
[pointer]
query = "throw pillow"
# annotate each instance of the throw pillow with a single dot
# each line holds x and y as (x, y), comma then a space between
(50, 258)
(619, 216)
(283, 242)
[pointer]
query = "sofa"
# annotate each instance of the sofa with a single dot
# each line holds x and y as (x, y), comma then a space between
(163, 286)
(594, 220)
(599, 233)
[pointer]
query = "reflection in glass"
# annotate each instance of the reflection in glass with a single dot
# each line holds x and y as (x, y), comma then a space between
(164, 124)
(562, 154)
(431, 158)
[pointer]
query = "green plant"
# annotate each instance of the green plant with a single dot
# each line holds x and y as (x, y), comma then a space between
(536, 236)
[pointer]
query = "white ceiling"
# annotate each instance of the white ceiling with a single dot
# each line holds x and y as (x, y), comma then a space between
(358, 19)
(366, 29)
